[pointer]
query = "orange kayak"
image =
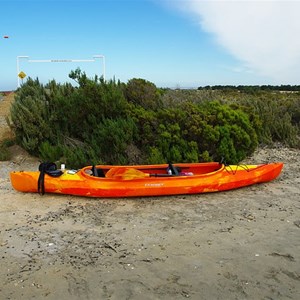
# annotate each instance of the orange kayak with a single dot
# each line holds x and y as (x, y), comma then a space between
(147, 180)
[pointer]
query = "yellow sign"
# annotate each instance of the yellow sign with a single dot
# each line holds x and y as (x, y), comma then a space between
(22, 75)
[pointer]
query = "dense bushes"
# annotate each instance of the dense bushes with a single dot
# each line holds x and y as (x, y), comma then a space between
(79, 126)
(195, 132)
(100, 121)
(276, 120)
(275, 116)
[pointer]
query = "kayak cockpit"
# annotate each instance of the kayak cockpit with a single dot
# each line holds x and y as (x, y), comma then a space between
(143, 171)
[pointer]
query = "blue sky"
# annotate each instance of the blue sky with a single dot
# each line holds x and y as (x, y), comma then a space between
(179, 43)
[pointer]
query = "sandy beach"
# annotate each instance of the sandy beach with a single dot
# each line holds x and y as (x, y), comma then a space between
(241, 244)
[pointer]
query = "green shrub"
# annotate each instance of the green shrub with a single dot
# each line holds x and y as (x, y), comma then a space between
(155, 156)
(191, 132)
(77, 157)
(50, 152)
(99, 120)
(111, 138)
(220, 131)
(144, 93)
(30, 115)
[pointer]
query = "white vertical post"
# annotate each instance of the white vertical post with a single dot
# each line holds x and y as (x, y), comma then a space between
(18, 67)
(103, 60)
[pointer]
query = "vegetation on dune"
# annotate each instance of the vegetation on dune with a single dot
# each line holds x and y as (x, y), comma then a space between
(253, 88)
(104, 121)
(4, 152)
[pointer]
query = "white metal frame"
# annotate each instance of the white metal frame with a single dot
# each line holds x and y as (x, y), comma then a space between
(58, 61)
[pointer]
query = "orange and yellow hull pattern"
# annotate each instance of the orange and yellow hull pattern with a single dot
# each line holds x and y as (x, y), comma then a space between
(149, 180)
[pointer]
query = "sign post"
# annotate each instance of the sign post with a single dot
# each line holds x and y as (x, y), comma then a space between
(18, 68)
(22, 75)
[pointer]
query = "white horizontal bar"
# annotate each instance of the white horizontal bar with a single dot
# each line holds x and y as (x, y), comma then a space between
(59, 60)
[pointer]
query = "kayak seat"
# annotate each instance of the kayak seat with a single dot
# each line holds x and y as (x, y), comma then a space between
(97, 172)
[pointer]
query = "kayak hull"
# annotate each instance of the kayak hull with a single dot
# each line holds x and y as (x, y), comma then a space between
(145, 180)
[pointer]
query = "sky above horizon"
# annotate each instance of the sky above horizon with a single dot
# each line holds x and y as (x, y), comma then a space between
(172, 43)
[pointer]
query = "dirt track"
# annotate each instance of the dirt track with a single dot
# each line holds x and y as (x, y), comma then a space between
(241, 244)
(5, 103)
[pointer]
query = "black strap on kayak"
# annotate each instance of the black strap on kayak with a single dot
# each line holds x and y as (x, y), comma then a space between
(223, 161)
(94, 171)
(174, 170)
(46, 168)
(97, 172)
